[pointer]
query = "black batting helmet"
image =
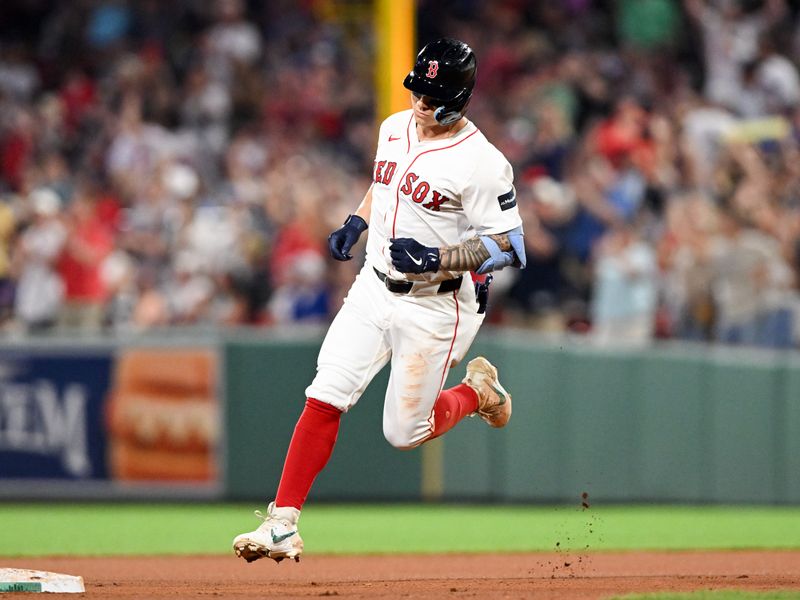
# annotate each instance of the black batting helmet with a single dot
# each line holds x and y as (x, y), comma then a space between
(445, 71)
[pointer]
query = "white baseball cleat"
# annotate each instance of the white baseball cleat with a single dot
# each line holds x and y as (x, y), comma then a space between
(494, 402)
(276, 538)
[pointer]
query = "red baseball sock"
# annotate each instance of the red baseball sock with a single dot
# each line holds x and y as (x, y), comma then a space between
(451, 406)
(311, 447)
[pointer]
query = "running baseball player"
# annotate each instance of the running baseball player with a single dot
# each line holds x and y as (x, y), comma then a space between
(442, 204)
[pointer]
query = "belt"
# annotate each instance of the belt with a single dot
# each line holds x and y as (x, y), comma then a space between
(404, 287)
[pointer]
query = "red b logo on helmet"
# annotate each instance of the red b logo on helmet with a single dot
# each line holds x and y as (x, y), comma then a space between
(433, 68)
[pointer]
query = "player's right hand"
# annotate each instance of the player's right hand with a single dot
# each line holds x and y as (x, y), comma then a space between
(343, 239)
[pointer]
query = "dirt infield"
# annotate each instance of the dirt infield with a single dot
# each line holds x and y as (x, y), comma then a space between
(543, 576)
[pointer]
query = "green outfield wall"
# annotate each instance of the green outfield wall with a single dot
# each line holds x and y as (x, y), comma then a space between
(265, 390)
(666, 424)
(673, 423)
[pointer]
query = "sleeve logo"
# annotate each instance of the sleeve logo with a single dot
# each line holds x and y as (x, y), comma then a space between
(507, 200)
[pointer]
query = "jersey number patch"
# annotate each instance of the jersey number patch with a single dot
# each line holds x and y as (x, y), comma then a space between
(419, 192)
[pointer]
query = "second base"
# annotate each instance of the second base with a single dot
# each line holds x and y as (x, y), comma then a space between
(27, 580)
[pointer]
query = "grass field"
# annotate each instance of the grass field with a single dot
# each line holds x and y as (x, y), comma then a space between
(715, 595)
(139, 529)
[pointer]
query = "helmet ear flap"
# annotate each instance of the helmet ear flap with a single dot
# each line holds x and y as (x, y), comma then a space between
(451, 112)
(444, 116)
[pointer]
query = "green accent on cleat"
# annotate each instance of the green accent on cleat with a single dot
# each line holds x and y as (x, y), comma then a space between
(277, 539)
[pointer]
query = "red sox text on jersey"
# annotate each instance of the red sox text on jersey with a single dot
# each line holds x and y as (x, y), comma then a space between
(419, 191)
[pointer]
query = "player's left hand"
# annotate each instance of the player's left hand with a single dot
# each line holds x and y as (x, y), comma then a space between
(342, 240)
(409, 256)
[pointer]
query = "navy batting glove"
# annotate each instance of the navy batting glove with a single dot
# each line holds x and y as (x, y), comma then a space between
(409, 256)
(342, 240)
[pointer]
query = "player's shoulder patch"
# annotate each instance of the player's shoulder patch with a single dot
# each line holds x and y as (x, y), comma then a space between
(508, 200)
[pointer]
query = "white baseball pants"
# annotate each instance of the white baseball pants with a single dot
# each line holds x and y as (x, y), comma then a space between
(422, 335)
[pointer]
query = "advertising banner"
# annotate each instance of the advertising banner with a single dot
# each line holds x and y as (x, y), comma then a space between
(163, 422)
(51, 415)
(111, 421)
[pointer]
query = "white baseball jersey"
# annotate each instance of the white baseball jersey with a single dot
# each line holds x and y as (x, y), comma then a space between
(440, 193)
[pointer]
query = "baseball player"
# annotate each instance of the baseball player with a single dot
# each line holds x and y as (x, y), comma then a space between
(442, 204)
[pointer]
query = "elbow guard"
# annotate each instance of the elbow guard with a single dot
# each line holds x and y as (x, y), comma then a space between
(499, 259)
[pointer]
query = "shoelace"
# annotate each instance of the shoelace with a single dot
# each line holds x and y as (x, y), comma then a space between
(267, 517)
(264, 517)
(261, 515)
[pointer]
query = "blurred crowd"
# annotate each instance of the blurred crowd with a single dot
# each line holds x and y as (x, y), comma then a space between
(181, 163)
